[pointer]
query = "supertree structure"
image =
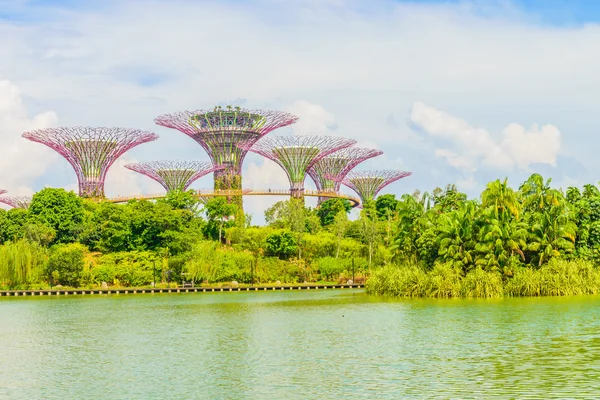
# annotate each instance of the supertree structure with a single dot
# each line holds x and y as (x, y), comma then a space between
(368, 183)
(296, 154)
(2, 191)
(90, 150)
(219, 131)
(338, 164)
(16, 201)
(174, 175)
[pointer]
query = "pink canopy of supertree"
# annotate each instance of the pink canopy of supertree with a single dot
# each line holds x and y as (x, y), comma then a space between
(296, 154)
(368, 183)
(90, 150)
(2, 191)
(174, 175)
(338, 164)
(16, 201)
(219, 131)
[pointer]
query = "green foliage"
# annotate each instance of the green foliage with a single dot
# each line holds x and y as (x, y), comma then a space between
(220, 214)
(61, 210)
(22, 263)
(386, 205)
(281, 244)
(207, 262)
(557, 278)
(330, 208)
(66, 264)
(134, 268)
(180, 200)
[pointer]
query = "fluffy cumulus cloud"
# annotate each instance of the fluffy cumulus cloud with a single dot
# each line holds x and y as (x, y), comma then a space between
(470, 147)
(313, 118)
(121, 181)
(344, 68)
(21, 161)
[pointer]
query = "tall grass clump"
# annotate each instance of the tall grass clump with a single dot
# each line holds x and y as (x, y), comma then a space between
(444, 281)
(480, 283)
(22, 263)
(409, 281)
(557, 278)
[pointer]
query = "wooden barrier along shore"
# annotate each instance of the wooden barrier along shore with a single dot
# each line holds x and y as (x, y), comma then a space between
(14, 293)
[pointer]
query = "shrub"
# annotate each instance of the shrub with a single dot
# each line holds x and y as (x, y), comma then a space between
(65, 264)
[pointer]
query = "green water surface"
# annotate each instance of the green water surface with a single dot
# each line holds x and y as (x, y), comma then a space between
(311, 345)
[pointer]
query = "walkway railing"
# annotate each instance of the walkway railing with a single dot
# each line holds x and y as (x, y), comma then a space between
(243, 192)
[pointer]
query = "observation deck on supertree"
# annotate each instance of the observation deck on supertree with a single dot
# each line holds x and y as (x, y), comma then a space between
(296, 154)
(90, 150)
(16, 201)
(368, 183)
(174, 175)
(338, 164)
(219, 131)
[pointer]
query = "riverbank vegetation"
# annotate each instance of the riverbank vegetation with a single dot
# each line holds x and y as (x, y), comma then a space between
(531, 241)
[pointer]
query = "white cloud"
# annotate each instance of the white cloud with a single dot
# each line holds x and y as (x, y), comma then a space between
(533, 146)
(473, 147)
(265, 176)
(21, 161)
(313, 119)
(121, 181)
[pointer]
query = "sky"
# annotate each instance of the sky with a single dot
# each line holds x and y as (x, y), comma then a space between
(460, 92)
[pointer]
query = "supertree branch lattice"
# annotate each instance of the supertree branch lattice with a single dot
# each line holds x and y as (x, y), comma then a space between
(174, 175)
(296, 154)
(90, 150)
(2, 191)
(368, 183)
(338, 164)
(219, 131)
(16, 201)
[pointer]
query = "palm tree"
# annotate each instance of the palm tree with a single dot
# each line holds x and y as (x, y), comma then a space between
(457, 236)
(552, 233)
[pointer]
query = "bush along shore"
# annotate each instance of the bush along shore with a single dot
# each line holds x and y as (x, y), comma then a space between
(533, 240)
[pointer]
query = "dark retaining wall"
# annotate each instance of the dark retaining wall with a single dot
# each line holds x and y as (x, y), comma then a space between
(171, 290)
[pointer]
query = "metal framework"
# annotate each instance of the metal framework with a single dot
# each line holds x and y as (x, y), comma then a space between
(16, 201)
(368, 183)
(219, 131)
(174, 175)
(338, 164)
(296, 154)
(90, 150)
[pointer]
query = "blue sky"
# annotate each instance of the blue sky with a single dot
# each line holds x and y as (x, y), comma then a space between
(455, 91)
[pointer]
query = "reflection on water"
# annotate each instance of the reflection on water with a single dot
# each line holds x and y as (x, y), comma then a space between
(320, 345)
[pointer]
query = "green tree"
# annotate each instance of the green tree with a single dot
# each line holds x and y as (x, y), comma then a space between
(61, 210)
(220, 212)
(340, 227)
(368, 223)
(329, 209)
(386, 206)
(66, 262)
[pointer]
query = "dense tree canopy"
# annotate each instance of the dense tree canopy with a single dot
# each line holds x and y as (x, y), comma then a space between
(502, 232)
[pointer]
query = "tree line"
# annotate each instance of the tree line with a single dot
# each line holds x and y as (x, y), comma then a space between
(412, 241)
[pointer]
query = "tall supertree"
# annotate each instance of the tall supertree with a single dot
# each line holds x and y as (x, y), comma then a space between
(219, 131)
(90, 150)
(16, 201)
(174, 175)
(338, 164)
(368, 183)
(296, 154)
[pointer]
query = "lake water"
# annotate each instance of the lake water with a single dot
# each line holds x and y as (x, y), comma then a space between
(309, 345)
